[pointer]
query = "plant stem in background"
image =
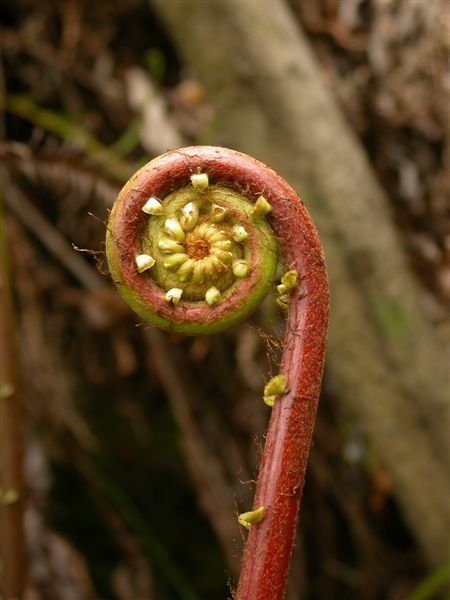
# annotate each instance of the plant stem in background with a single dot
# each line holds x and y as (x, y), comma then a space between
(11, 486)
(67, 130)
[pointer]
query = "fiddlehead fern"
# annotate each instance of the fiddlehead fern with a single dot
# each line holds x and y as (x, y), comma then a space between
(192, 246)
(189, 251)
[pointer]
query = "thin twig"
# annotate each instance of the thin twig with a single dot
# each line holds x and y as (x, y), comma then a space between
(27, 214)
(11, 479)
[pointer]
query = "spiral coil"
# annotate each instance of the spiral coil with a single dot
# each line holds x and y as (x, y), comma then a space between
(188, 251)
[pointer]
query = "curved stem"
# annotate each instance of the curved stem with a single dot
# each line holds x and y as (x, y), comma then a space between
(282, 472)
(280, 483)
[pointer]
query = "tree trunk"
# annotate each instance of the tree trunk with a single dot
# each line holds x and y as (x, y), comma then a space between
(384, 354)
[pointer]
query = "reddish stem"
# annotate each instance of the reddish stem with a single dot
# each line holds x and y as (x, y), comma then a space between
(282, 473)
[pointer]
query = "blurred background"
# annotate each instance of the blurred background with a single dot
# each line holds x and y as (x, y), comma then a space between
(140, 448)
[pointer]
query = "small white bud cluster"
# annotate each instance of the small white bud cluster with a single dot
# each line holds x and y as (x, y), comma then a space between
(172, 242)
(288, 282)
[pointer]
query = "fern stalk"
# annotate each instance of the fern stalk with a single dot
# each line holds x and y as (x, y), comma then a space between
(192, 246)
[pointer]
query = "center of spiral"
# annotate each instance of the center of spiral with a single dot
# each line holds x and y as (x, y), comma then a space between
(197, 248)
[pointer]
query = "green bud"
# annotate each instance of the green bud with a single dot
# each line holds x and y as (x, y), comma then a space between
(240, 268)
(223, 245)
(261, 208)
(289, 279)
(6, 390)
(269, 400)
(9, 496)
(276, 386)
(213, 296)
(218, 213)
(185, 271)
(174, 260)
(253, 517)
(189, 217)
(169, 246)
(239, 233)
(172, 227)
(200, 181)
(283, 302)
